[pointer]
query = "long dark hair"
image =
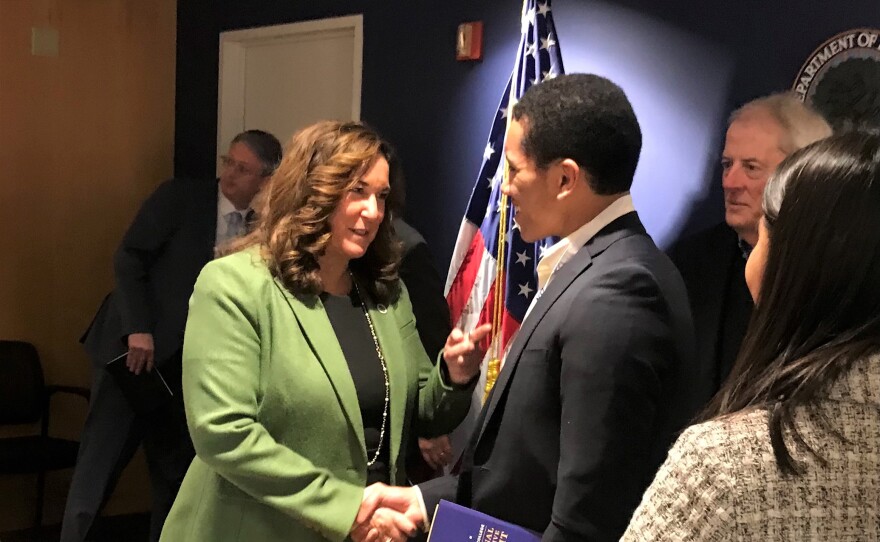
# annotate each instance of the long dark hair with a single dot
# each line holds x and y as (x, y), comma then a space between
(818, 310)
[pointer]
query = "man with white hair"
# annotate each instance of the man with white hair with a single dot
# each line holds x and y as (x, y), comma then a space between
(760, 134)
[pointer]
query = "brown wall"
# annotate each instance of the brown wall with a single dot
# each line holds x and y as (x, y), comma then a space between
(84, 137)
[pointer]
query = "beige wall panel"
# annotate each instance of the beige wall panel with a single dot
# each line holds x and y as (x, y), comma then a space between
(84, 137)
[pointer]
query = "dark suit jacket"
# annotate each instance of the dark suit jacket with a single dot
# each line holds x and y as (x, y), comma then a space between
(712, 266)
(432, 318)
(425, 289)
(155, 267)
(590, 398)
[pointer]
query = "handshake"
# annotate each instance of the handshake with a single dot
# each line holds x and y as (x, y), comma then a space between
(388, 514)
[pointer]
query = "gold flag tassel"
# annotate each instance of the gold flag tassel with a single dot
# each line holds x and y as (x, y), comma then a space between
(493, 367)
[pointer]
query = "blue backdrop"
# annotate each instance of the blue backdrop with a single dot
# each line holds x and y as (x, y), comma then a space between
(684, 64)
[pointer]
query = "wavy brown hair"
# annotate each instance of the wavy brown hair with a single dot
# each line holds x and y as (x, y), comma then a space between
(320, 164)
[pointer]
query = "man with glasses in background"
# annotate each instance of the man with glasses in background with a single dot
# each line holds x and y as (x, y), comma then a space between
(175, 233)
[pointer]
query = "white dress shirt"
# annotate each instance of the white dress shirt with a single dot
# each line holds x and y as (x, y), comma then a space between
(564, 250)
(224, 208)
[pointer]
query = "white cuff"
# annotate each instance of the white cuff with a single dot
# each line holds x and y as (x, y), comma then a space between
(423, 509)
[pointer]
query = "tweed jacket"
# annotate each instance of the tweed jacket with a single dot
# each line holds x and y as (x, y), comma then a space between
(720, 481)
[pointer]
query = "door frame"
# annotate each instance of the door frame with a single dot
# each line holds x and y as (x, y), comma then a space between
(233, 48)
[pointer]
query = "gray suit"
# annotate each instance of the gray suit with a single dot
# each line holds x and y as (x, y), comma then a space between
(156, 265)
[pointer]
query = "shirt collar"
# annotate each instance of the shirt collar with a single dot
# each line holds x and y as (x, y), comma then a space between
(557, 255)
(224, 206)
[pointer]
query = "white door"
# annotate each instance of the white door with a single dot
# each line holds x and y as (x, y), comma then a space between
(282, 78)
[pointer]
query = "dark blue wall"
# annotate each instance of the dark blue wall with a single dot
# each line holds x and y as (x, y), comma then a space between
(684, 63)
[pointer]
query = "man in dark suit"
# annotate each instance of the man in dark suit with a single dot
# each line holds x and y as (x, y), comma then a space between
(759, 136)
(173, 236)
(425, 289)
(426, 456)
(592, 391)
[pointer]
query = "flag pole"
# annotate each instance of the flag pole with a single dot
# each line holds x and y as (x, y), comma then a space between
(493, 366)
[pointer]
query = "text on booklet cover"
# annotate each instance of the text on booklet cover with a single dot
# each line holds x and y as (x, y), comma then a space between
(455, 523)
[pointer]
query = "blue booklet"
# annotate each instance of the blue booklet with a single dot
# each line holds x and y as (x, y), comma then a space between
(455, 523)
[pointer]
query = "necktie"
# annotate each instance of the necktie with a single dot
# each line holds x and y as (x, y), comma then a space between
(235, 225)
(249, 221)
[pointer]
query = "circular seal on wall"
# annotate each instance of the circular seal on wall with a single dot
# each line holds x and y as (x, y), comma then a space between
(841, 78)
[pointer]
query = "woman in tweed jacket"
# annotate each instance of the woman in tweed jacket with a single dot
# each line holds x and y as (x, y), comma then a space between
(791, 450)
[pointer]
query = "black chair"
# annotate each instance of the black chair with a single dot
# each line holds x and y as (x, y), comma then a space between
(24, 399)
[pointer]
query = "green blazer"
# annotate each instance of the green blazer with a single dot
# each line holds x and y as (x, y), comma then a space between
(273, 412)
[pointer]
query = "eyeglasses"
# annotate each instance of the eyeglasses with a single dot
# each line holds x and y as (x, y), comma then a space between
(240, 168)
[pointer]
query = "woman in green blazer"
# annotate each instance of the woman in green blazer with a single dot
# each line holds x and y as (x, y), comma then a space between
(303, 373)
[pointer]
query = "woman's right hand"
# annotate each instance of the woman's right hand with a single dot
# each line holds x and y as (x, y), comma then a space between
(463, 355)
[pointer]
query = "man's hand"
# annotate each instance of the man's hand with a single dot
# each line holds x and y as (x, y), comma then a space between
(387, 513)
(140, 352)
(436, 451)
(462, 354)
(390, 525)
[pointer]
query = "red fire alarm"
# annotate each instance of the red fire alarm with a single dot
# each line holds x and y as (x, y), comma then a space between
(469, 41)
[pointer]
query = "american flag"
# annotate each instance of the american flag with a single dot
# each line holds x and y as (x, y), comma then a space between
(471, 285)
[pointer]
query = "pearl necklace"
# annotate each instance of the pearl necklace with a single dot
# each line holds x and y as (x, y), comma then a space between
(371, 462)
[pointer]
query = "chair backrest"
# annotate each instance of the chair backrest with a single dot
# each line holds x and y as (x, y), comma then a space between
(21, 383)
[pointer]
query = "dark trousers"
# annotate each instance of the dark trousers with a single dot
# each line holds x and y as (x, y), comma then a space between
(110, 437)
